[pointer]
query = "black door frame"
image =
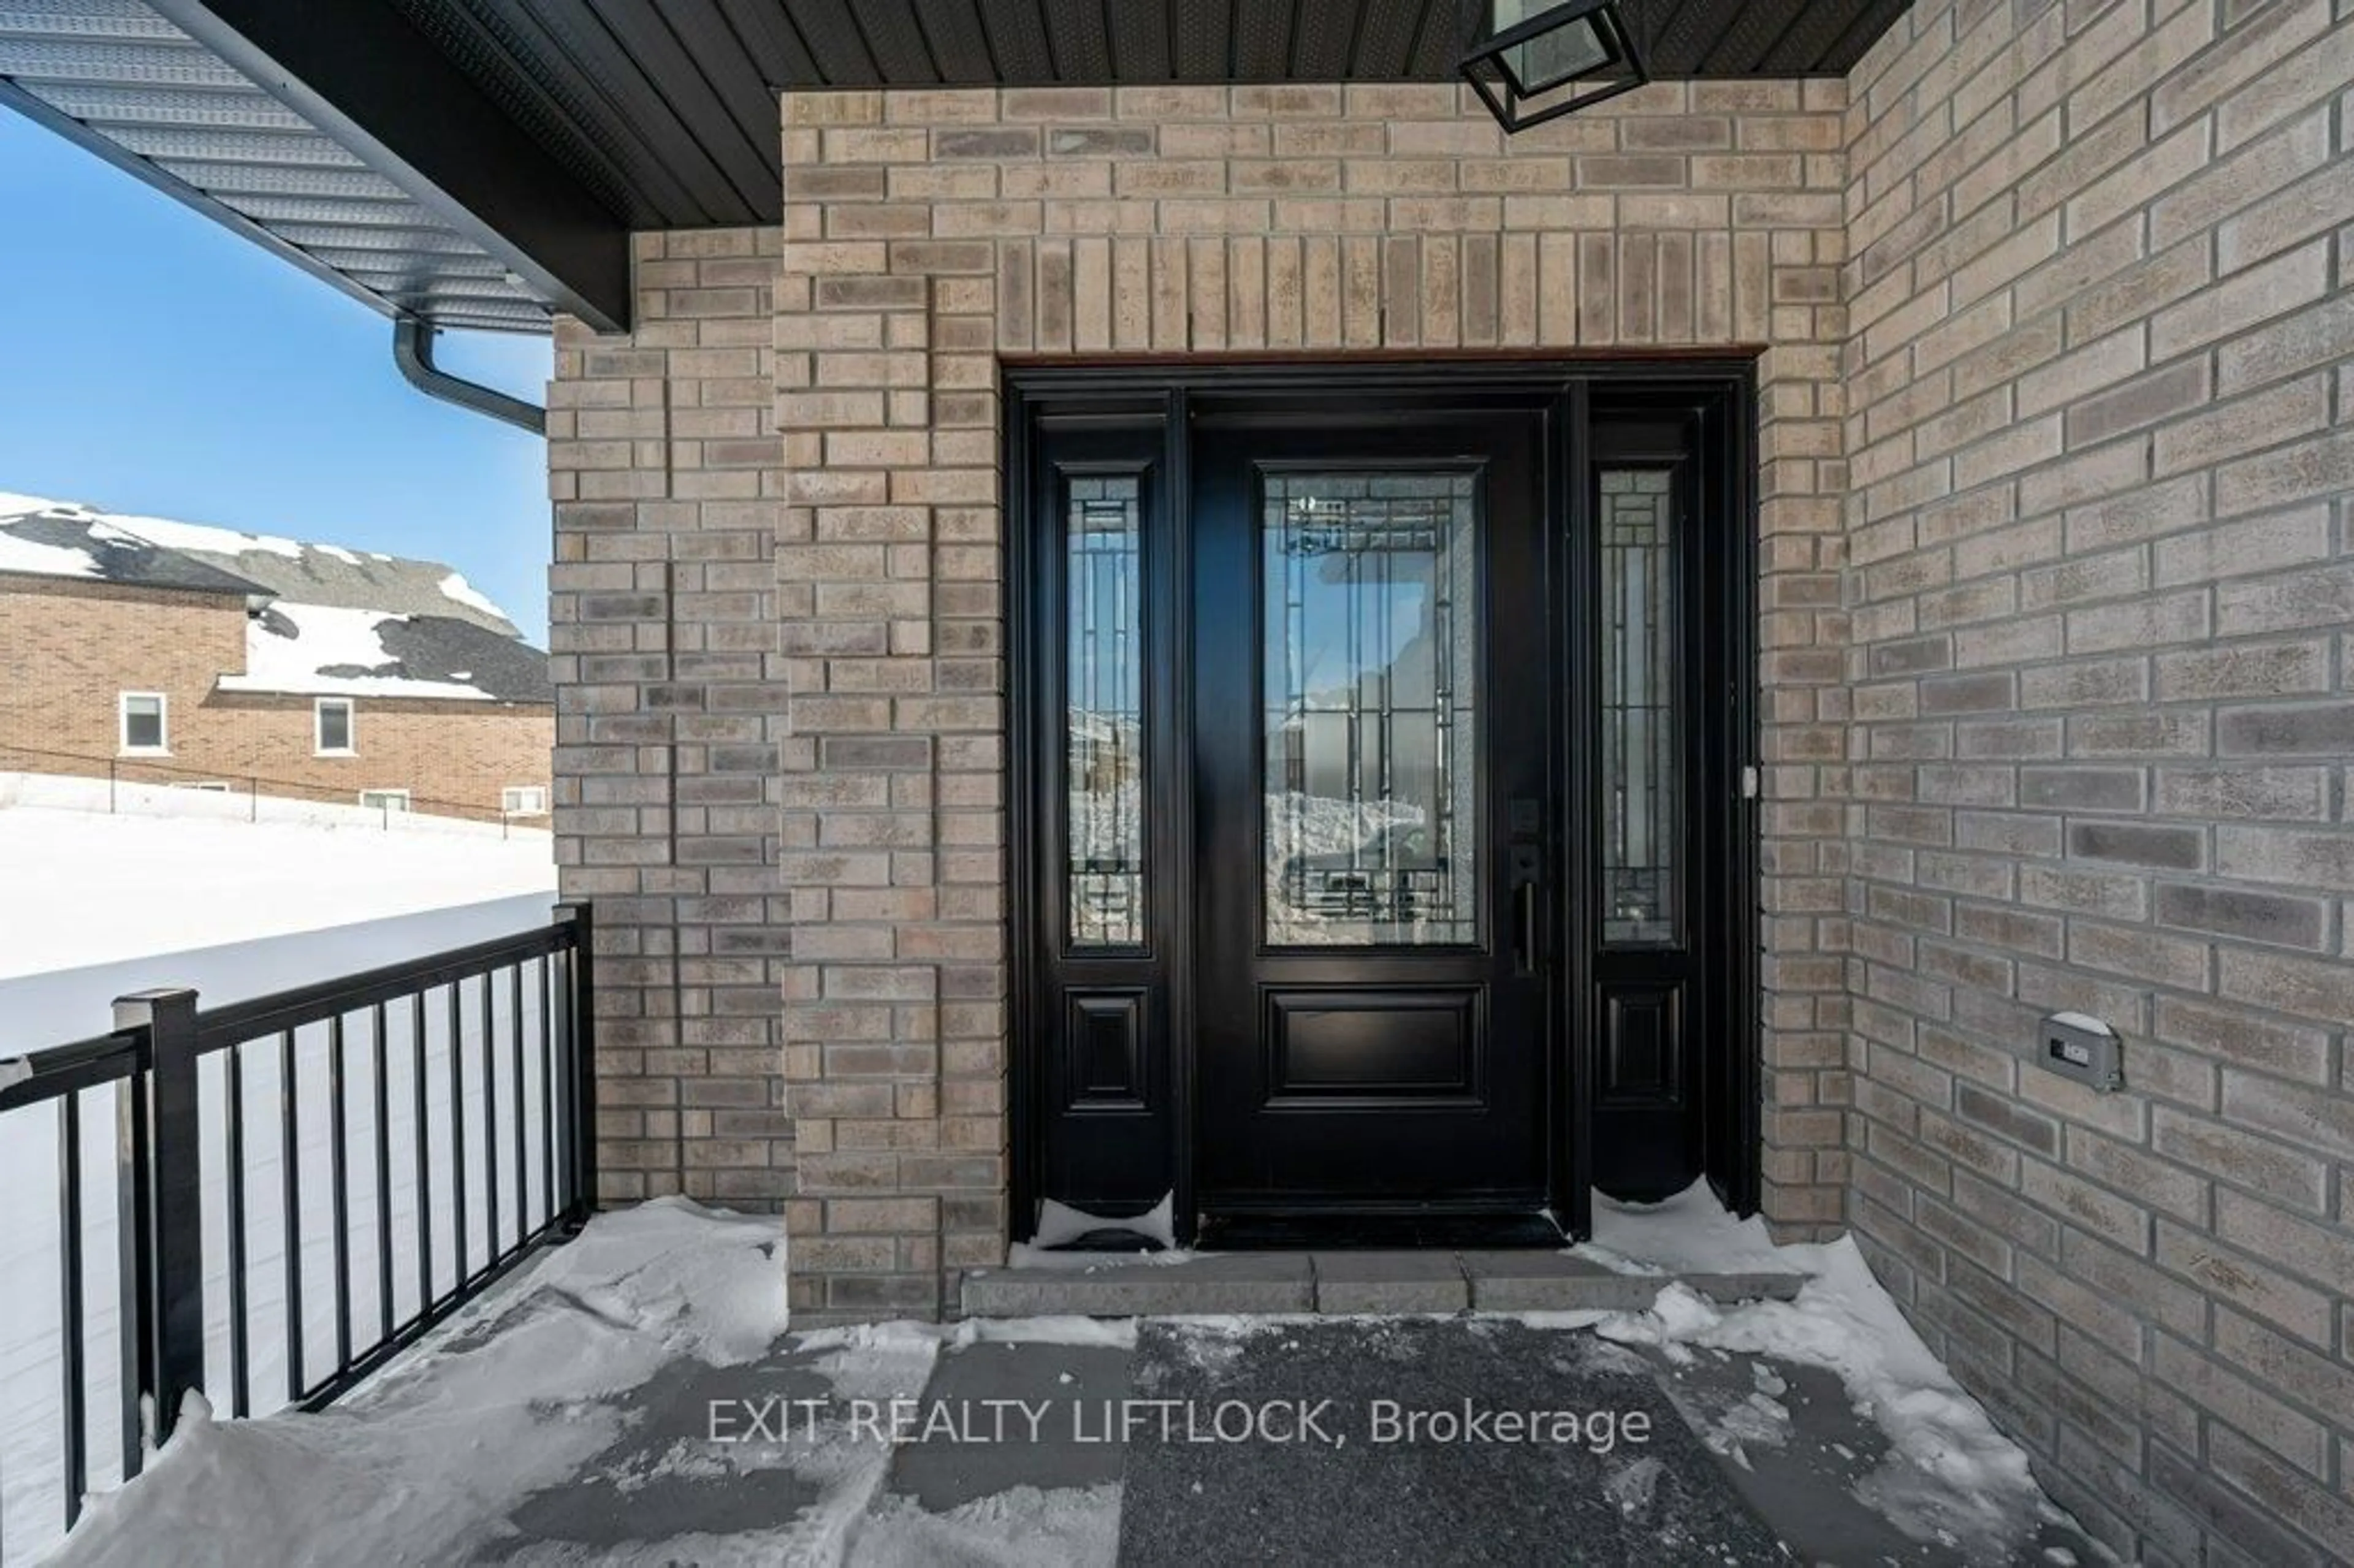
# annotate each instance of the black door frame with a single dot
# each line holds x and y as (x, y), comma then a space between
(1070, 396)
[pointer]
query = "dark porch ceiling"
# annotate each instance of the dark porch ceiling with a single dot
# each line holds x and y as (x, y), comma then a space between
(667, 104)
(477, 162)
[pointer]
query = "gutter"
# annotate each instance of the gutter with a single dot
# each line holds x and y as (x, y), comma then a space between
(413, 351)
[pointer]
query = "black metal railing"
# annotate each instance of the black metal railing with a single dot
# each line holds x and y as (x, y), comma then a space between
(433, 1126)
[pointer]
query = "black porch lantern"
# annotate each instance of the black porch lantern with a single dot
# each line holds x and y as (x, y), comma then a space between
(1536, 62)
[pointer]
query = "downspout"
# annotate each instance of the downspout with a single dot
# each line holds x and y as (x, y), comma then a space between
(412, 350)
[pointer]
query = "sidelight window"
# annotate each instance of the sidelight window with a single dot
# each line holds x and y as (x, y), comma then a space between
(1371, 641)
(1642, 778)
(1103, 704)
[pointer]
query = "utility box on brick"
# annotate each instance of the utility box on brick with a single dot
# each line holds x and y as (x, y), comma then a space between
(2083, 1049)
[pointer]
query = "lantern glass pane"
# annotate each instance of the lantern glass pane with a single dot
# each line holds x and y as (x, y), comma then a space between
(1552, 57)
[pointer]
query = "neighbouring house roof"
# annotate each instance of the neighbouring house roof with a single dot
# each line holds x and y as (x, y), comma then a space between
(327, 621)
(56, 542)
(318, 649)
(159, 552)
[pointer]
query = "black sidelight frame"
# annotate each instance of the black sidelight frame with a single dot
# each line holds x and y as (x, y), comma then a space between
(1101, 416)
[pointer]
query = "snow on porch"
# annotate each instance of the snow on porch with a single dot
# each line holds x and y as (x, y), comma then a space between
(639, 1398)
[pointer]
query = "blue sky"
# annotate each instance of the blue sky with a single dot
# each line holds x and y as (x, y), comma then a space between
(151, 361)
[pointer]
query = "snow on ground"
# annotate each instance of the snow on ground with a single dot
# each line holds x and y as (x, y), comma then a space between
(65, 791)
(80, 888)
(1691, 1232)
(416, 1466)
(523, 1389)
(1060, 1225)
(92, 907)
(1950, 1477)
(1021, 1527)
(520, 1395)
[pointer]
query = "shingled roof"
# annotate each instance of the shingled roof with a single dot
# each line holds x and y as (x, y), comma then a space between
(324, 621)
(314, 650)
(57, 543)
(283, 568)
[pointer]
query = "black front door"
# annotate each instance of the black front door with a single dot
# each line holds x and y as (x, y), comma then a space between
(1382, 850)
(1372, 780)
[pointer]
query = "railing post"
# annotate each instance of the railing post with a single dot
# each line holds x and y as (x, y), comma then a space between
(164, 1206)
(582, 1080)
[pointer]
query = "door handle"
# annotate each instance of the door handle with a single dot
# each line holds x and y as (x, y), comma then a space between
(1527, 874)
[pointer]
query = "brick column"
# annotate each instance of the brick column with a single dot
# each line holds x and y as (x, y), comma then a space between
(663, 464)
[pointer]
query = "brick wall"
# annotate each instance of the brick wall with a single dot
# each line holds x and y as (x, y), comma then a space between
(68, 650)
(2100, 584)
(668, 638)
(779, 599)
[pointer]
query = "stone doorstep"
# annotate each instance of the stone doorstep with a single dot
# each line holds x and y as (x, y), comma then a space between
(1437, 1280)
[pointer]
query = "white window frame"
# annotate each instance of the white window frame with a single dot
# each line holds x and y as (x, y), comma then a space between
(319, 747)
(163, 724)
(381, 800)
(507, 802)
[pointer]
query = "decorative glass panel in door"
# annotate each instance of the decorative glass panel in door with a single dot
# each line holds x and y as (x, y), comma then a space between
(1370, 639)
(1641, 738)
(1104, 682)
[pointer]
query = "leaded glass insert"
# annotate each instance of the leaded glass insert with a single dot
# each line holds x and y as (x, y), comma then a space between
(1104, 696)
(1371, 636)
(1640, 726)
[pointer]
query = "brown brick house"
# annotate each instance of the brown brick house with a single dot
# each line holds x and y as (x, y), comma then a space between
(1917, 438)
(196, 656)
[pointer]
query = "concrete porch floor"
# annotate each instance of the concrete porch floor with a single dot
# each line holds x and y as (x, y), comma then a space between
(1766, 1477)
(1428, 1280)
(638, 1398)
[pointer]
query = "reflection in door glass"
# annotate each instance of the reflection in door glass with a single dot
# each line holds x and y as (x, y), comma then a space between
(1371, 641)
(1103, 679)
(1639, 774)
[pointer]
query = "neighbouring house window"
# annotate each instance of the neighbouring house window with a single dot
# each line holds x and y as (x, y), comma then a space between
(143, 727)
(385, 799)
(523, 800)
(335, 726)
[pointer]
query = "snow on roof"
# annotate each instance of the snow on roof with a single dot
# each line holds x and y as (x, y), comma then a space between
(164, 553)
(456, 587)
(175, 535)
(329, 651)
(318, 650)
(45, 539)
(44, 560)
